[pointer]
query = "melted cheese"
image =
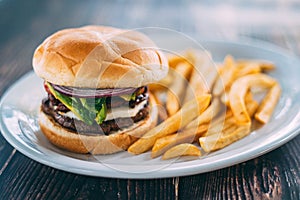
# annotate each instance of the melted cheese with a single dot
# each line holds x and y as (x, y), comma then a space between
(123, 112)
(120, 112)
(69, 114)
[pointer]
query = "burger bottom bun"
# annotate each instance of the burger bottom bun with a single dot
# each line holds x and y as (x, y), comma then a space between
(96, 144)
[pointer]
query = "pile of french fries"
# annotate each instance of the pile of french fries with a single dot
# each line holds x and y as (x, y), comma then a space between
(204, 107)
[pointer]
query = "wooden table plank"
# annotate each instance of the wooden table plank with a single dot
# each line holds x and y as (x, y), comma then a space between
(25, 178)
(265, 177)
(6, 152)
(271, 176)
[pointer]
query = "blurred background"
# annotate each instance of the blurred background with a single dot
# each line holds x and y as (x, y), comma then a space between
(270, 20)
(209, 18)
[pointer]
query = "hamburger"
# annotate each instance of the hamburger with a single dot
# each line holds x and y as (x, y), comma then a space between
(95, 77)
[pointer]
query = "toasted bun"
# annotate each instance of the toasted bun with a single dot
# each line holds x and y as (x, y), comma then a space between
(100, 144)
(99, 57)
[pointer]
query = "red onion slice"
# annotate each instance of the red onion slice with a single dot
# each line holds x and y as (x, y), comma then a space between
(91, 93)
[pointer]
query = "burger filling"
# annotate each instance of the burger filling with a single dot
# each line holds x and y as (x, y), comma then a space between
(98, 115)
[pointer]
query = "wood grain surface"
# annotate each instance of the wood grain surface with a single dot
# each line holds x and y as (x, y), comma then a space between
(24, 24)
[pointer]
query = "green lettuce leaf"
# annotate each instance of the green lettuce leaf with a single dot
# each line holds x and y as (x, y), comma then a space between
(87, 110)
(101, 115)
(128, 97)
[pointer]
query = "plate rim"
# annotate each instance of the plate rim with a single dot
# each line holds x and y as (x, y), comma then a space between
(170, 171)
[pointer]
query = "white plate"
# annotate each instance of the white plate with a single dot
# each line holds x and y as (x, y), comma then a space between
(19, 105)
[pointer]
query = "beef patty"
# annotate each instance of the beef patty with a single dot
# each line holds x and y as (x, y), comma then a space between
(54, 107)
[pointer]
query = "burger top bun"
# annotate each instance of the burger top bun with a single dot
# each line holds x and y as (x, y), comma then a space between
(99, 57)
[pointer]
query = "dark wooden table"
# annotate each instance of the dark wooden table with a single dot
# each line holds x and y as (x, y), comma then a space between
(24, 24)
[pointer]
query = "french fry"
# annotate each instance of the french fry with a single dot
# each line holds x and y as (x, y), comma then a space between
(162, 113)
(220, 124)
(251, 68)
(268, 104)
(263, 64)
(223, 122)
(224, 98)
(266, 65)
(229, 128)
(212, 110)
(190, 133)
(251, 104)
(172, 104)
(238, 91)
(184, 149)
(177, 89)
(161, 85)
(203, 65)
(196, 57)
(174, 60)
(224, 134)
(211, 75)
(225, 77)
(230, 135)
(185, 94)
(156, 87)
(193, 130)
(185, 136)
(240, 71)
(197, 83)
(184, 69)
(186, 114)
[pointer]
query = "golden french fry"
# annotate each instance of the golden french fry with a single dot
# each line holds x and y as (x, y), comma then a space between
(161, 85)
(218, 141)
(205, 117)
(263, 64)
(184, 69)
(220, 124)
(266, 66)
(223, 122)
(268, 104)
(177, 89)
(225, 76)
(161, 145)
(203, 76)
(224, 98)
(211, 74)
(251, 104)
(238, 91)
(162, 113)
(251, 68)
(184, 149)
(186, 136)
(229, 127)
(190, 133)
(197, 83)
(172, 104)
(226, 131)
(196, 57)
(156, 87)
(215, 127)
(174, 60)
(186, 114)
